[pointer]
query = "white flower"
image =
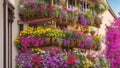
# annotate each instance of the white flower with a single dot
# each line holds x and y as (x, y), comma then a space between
(43, 52)
(101, 6)
(22, 61)
(38, 52)
(21, 6)
(75, 51)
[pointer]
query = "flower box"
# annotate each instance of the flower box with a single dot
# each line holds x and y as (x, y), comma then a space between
(47, 41)
(36, 66)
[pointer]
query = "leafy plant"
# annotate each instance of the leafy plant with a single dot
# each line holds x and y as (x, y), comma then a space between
(92, 32)
(99, 7)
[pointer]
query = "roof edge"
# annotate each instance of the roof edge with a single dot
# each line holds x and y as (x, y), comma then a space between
(110, 10)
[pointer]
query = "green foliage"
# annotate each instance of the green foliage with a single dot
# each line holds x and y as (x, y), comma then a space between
(98, 7)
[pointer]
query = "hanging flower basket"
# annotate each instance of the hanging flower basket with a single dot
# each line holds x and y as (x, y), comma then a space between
(99, 7)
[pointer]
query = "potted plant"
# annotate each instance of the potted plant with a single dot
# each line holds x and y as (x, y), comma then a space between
(87, 43)
(66, 40)
(57, 12)
(90, 18)
(98, 21)
(97, 42)
(51, 11)
(92, 32)
(70, 15)
(99, 7)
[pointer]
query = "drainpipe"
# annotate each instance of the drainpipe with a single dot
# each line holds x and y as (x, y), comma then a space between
(4, 33)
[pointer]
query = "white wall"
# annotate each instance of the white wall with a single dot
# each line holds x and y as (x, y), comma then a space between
(1, 34)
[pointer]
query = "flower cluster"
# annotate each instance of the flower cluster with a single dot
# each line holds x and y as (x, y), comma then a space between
(87, 42)
(53, 58)
(80, 39)
(36, 37)
(30, 41)
(82, 19)
(99, 7)
(89, 20)
(113, 44)
(56, 58)
(35, 9)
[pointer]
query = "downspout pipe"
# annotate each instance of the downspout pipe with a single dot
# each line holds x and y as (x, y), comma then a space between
(4, 33)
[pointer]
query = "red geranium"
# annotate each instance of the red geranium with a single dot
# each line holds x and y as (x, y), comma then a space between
(42, 8)
(65, 8)
(70, 56)
(71, 59)
(36, 59)
(51, 7)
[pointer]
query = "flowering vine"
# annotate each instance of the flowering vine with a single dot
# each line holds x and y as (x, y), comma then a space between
(113, 44)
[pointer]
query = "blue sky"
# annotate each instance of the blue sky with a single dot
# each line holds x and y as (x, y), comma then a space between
(115, 5)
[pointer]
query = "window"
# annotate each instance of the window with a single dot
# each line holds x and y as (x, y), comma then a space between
(84, 6)
(71, 3)
(20, 27)
(8, 20)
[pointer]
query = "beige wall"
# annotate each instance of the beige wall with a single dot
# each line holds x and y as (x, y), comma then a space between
(1, 34)
(106, 20)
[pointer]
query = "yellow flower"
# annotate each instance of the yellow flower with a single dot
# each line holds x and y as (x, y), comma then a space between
(39, 50)
(36, 49)
(88, 63)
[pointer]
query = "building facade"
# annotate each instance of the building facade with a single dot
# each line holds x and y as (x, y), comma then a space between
(10, 27)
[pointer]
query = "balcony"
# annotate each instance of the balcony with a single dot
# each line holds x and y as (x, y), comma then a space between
(65, 12)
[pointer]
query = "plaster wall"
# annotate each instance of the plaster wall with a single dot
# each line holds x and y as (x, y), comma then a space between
(15, 31)
(1, 34)
(107, 19)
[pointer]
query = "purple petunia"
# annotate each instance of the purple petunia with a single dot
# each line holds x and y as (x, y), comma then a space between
(87, 42)
(82, 20)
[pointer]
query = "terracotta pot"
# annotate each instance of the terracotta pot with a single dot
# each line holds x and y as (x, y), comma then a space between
(36, 66)
(96, 47)
(72, 43)
(98, 21)
(47, 41)
(90, 21)
(78, 43)
(54, 42)
(51, 13)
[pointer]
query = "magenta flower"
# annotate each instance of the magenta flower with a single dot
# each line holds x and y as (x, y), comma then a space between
(113, 44)
(51, 7)
(42, 8)
(82, 20)
(87, 42)
(30, 41)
